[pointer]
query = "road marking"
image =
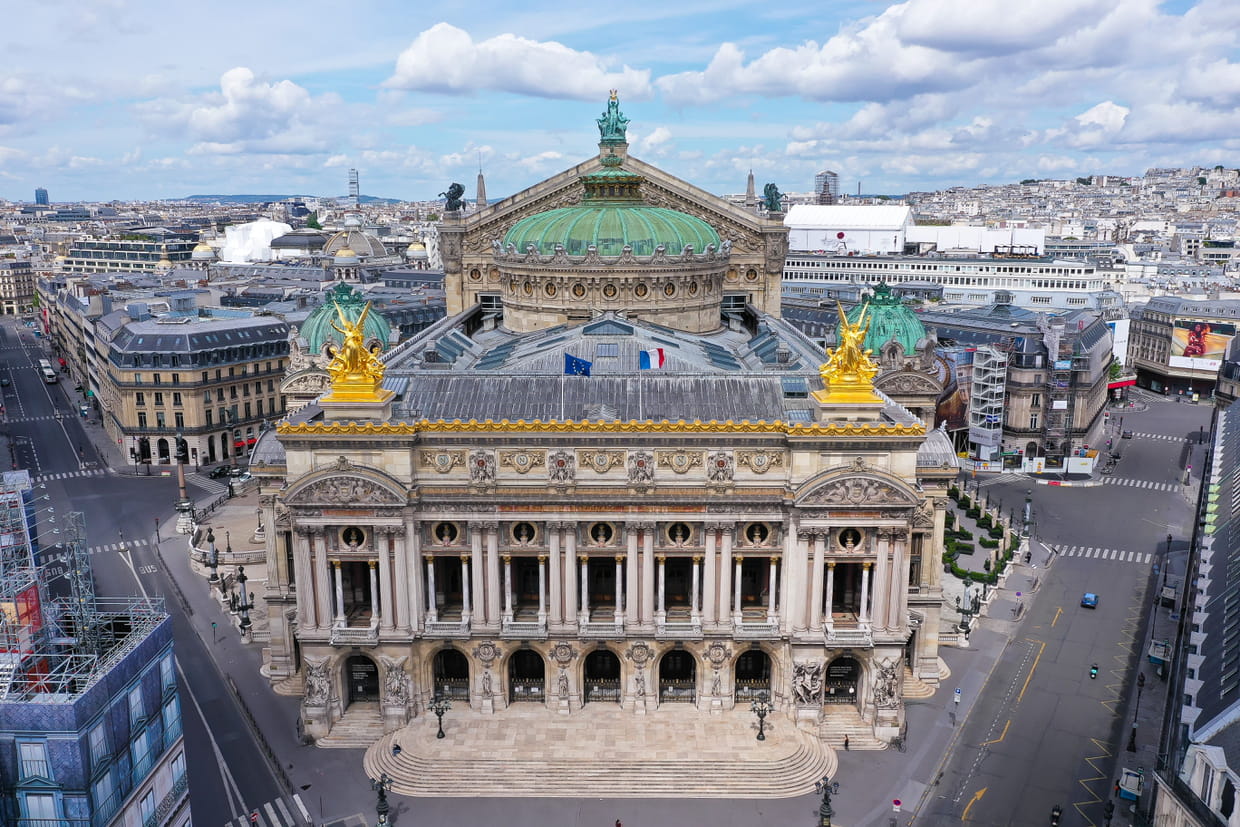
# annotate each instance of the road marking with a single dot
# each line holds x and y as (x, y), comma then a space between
(1058, 612)
(271, 813)
(304, 812)
(1002, 735)
(284, 812)
(977, 796)
(1031, 668)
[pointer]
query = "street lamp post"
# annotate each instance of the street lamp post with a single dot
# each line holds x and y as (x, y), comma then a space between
(246, 604)
(761, 707)
(213, 561)
(968, 608)
(381, 785)
(826, 788)
(439, 706)
(1132, 736)
(1028, 510)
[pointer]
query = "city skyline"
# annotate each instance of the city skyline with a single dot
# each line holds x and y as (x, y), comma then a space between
(118, 100)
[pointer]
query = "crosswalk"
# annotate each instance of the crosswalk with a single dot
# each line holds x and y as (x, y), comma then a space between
(1163, 437)
(1147, 484)
(1002, 478)
(275, 813)
(209, 485)
(1114, 554)
(62, 556)
(67, 475)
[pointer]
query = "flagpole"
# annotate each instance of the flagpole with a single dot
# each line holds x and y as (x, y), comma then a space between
(640, 417)
(562, 375)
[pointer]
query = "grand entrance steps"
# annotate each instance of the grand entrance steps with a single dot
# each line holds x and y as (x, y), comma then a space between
(915, 688)
(293, 686)
(359, 727)
(841, 720)
(667, 753)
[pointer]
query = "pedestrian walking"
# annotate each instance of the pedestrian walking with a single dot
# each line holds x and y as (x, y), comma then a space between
(618, 824)
(845, 743)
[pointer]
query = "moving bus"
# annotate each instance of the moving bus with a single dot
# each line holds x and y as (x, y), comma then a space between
(49, 376)
(45, 364)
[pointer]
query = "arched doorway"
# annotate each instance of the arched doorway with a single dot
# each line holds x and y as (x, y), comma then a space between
(451, 674)
(526, 676)
(602, 676)
(753, 675)
(677, 677)
(362, 676)
(161, 448)
(841, 684)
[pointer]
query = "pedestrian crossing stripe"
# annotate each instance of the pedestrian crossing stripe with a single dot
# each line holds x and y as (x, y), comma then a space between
(1114, 554)
(1002, 478)
(63, 556)
(274, 813)
(1135, 483)
(65, 475)
(1164, 437)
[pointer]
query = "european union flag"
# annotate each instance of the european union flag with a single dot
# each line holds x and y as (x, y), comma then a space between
(576, 367)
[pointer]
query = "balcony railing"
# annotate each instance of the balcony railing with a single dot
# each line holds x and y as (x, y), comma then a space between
(169, 803)
(524, 629)
(356, 635)
(35, 768)
(848, 635)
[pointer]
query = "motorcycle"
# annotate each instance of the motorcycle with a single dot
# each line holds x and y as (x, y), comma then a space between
(1093, 671)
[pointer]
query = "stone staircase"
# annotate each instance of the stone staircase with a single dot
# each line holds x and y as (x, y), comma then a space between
(293, 686)
(359, 728)
(616, 752)
(839, 720)
(914, 688)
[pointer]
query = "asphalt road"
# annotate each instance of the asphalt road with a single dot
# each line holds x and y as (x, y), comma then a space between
(227, 776)
(1043, 732)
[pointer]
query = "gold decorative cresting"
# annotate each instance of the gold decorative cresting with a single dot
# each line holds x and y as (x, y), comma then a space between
(356, 372)
(849, 372)
(521, 426)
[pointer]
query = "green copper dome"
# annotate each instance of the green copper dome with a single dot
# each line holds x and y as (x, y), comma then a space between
(317, 329)
(889, 319)
(612, 216)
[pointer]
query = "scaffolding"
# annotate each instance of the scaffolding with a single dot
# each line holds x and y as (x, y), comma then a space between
(52, 649)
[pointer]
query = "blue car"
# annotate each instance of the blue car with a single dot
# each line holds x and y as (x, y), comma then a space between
(1089, 600)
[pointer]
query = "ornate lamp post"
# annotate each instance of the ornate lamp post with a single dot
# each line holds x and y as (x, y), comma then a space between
(761, 707)
(826, 788)
(1132, 735)
(969, 607)
(1028, 510)
(214, 560)
(439, 706)
(245, 604)
(382, 784)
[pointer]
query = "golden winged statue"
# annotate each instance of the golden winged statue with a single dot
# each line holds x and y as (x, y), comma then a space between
(849, 366)
(353, 367)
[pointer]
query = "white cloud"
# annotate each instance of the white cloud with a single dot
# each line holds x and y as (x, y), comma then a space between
(656, 144)
(993, 28)
(415, 116)
(540, 161)
(446, 59)
(247, 115)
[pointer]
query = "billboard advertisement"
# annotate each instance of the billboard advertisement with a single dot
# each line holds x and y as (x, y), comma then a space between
(1199, 345)
(953, 406)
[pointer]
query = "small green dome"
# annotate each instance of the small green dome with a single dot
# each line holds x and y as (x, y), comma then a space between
(889, 319)
(317, 329)
(612, 216)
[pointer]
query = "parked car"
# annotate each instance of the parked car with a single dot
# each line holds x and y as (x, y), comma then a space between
(1089, 600)
(1126, 435)
(238, 472)
(219, 471)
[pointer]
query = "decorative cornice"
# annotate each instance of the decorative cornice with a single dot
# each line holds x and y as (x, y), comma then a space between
(745, 426)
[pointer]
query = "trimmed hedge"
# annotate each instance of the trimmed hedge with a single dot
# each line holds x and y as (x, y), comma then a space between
(986, 542)
(996, 532)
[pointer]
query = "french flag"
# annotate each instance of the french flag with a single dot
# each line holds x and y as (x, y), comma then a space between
(651, 359)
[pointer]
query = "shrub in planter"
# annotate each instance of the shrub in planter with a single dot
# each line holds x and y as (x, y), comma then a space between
(973, 513)
(986, 542)
(984, 521)
(949, 519)
(954, 493)
(997, 532)
(986, 565)
(964, 548)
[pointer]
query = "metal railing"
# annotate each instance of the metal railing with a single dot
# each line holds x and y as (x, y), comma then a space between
(602, 689)
(170, 802)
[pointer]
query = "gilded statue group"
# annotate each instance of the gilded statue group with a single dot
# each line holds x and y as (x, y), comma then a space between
(850, 362)
(352, 362)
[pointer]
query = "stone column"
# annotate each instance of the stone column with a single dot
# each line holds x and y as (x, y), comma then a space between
(414, 592)
(584, 616)
(864, 617)
(619, 614)
(725, 576)
(570, 574)
(491, 578)
(402, 585)
(507, 588)
(830, 596)
(772, 571)
(322, 578)
(556, 613)
(648, 573)
(542, 590)
(432, 607)
(474, 584)
(897, 617)
(387, 620)
(307, 617)
(710, 608)
(376, 605)
(339, 618)
(633, 586)
(878, 609)
(736, 592)
(695, 612)
(467, 614)
(815, 578)
(660, 614)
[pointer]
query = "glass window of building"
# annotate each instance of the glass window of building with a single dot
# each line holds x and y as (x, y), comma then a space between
(33, 757)
(98, 739)
(136, 710)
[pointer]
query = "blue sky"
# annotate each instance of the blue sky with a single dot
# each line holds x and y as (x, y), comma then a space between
(132, 99)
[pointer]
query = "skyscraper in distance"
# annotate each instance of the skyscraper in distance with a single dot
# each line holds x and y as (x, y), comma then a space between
(827, 187)
(40, 196)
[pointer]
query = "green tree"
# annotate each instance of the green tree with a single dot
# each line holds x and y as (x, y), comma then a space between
(312, 222)
(1029, 181)
(1086, 180)
(1116, 369)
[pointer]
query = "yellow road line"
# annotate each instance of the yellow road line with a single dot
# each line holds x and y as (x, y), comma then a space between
(1002, 735)
(1041, 649)
(977, 796)
(1058, 612)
